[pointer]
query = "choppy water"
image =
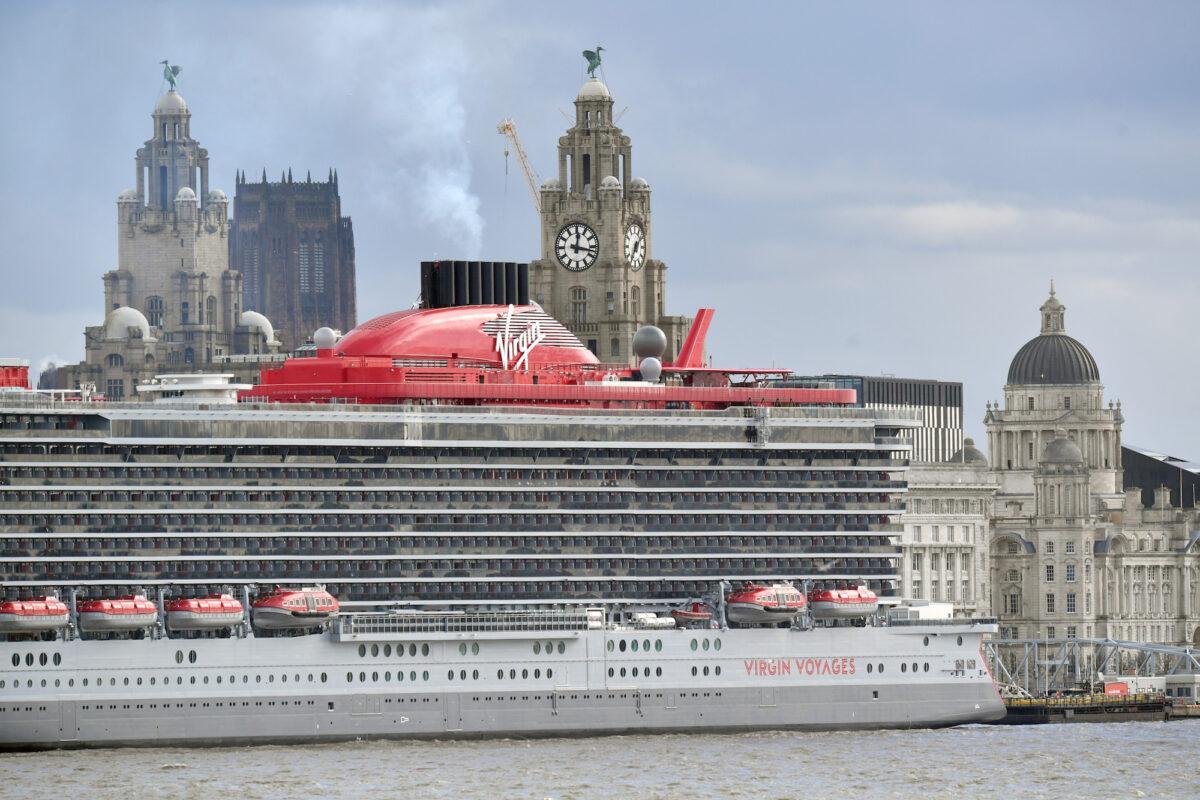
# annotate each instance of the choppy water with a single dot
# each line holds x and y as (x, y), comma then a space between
(1151, 759)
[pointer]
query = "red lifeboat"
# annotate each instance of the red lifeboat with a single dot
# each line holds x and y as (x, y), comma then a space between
(695, 614)
(754, 604)
(294, 608)
(34, 615)
(842, 603)
(126, 613)
(203, 613)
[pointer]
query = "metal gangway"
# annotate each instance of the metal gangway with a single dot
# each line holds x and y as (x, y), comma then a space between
(1037, 667)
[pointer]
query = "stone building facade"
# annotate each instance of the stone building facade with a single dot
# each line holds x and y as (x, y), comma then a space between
(597, 273)
(172, 304)
(946, 529)
(295, 253)
(1072, 553)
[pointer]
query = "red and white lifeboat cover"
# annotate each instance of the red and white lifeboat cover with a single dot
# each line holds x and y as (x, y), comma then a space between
(755, 604)
(199, 613)
(692, 614)
(124, 613)
(35, 614)
(294, 608)
(842, 603)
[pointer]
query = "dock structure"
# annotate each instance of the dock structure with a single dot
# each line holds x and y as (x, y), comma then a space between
(1038, 668)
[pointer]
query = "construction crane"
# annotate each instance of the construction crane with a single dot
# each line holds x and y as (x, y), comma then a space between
(508, 129)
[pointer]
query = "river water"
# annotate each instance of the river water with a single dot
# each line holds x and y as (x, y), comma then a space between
(1115, 760)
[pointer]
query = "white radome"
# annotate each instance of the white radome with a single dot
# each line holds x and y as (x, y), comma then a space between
(324, 338)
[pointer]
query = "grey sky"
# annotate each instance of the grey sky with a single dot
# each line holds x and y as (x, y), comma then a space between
(877, 187)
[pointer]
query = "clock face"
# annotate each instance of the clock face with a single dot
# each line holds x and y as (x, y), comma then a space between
(577, 246)
(635, 246)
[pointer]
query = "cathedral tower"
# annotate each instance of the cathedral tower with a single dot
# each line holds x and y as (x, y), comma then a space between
(596, 273)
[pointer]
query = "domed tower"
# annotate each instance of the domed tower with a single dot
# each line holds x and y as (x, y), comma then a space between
(1053, 384)
(596, 273)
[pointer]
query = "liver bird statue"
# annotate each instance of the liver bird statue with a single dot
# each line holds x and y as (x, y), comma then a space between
(171, 72)
(593, 59)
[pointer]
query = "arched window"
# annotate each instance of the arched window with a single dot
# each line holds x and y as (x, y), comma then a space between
(114, 360)
(210, 310)
(154, 310)
(578, 305)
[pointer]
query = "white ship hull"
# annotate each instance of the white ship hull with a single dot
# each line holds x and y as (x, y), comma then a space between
(319, 687)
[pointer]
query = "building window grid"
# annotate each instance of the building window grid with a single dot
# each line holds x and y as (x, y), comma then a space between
(304, 269)
(318, 267)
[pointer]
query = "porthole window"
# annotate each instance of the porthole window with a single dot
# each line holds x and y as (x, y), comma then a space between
(537, 673)
(387, 676)
(425, 649)
(646, 645)
(324, 676)
(412, 675)
(270, 678)
(904, 667)
(622, 672)
(695, 645)
(462, 648)
(474, 674)
(610, 645)
(220, 679)
(16, 660)
(474, 648)
(29, 659)
(127, 681)
(362, 651)
(549, 673)
(374, 650)
(658, 671)
(425, 674)
(191, 656)
(206, 679)
(499, 674)
(706, 644)
(450, 675)
(57, 659)
(139, 681)
(525, 674)
(717, 669)
(562, 648)
(42, 659)
(412, 649)
(374, 676)
(387, 650)
(462, 674)
(658, 645)
(694, 672)
(362, 677)
(960, 641)
(914, 668)
(610, 672)
(927, 641)
(349, 677)
(549, 647)
(717, 644)
(634, 645)
(870, 667)
(621, 646)
(512, 674)
(537, 648)
(927, 666)
(881, 669)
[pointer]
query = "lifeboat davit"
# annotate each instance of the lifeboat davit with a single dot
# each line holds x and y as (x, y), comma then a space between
(694, 614)
(34, 615)
(842, 603)
(203, 613)
(293, 608)
(125, 613)
(758, 605)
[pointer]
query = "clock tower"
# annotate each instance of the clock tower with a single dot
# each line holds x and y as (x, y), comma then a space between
(597, 274)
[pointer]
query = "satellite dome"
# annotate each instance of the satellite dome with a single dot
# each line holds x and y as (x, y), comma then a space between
(1062, 450)
(120, 320)
(217, 196)
(255, 320)
(969, 454)
(185, 195)
(1052, 357)
(639, 183)
(651, 369)
(552, 183)
(649, 342)
(594, 89)
(127, 196)
(171, 103)
(324, 338)
(610, 182)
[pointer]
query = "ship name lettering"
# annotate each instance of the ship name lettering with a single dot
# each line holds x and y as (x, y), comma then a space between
(521, 345)
(774, 667)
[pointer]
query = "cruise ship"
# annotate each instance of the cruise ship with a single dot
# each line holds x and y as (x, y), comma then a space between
(500, 535)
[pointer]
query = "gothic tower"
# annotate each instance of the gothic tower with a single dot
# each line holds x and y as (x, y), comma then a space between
(596, 272)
